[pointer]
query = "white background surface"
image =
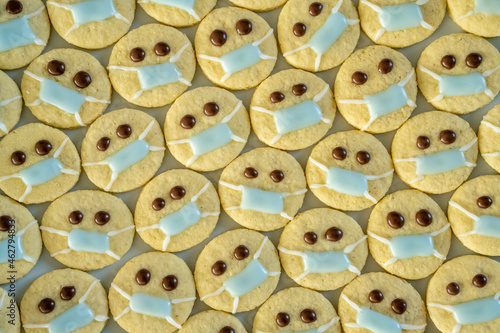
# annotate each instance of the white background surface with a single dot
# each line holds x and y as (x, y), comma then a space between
(106, 275)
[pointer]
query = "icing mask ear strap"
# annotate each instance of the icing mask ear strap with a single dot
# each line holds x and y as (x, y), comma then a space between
(469, 214)
(21, 232)
(125, 295)
(349, 248)
(3, 297)
(490, 125)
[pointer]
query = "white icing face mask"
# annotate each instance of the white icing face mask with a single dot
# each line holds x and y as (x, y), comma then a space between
(212, 138)
(399, 17)
(296, 117)
(376, 322)
(41, 172)
(186, 5)
(321, 329)
(404, 247)
(240, 58)
(461, 85)
(440, 162)
(473, 312)
(152, 76)
(384, 102)
(70, 101)
(129, 155)
(326, 262)
(15, 247)
(245, 281)
(484, 225)
(75, 317)
(17, 32)
(176, 222)
(325, 36)
(90, 11)
(486, 7)
(496, 129)
(6, 102)
(347, 181)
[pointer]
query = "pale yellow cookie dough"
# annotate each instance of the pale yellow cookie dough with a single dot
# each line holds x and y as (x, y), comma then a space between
(9, 312)
(11, 104)
(475, 19)
(211, 321)
(489, 138)
(259, 5)
(176, 16)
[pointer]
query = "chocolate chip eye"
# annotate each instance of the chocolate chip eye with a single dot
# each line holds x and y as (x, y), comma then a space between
(14, 7)
(162, 49)
(142, 277)
(395, 220)
(448, 61)
(124, 131)
(18, 157)
(170, 282)
(158, 204)
(310, 238)
(177, 192)
(375, 296)
(363, 157)
(453, 288)
(67, 293)
(473, 60)
(82, 79)
(484, 202)
(75, 217)
(188, 121)
(243, 27)
(277, 176)
(424, 218)
(479, 281)
(334, 234)
(219, 268)
(308, 316)
(339, 153)
(227, 329)
(299, 29)
(137, 54)
(359, 78)
(276, 97)
(250, 173)
(6, 222)
(46, 305)
(103, 143)
(447, 137)
(241, 252)
(385, 66)
(299, 89)
(43, 147)
(218, 37)
(282, 319)
(315, 8)
(423, 142)
(211, 109)
(102, 217)
(56, 67)
(398, 306)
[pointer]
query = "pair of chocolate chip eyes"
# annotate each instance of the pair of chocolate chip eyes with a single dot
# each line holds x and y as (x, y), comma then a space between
(243, 27)
(14, 7)
(398, 305)
(123, 132)
(42, 148)
(363, 157)
(176, 193)
(276, 176)
(307, 316)
(81, 79)
(241, 252)
(6, 222)
(209, 109)
(169, 282)
(384, 67)
(298, 90)
(478, 281)
(447, 137)
(47, 305)
(299, 29)
(473, 60)
(396, 221)
(333, 234)
(100, 218)
(138, 54)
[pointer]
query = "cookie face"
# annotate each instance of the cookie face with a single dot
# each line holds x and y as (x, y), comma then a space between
(237, 271)
(292, 109)
(235, 48)
(91, 24)
(323, 249)
(10, 322)
(20, 241)
(177, 210)
(463, 295)
(38, 163)
(11, 104)
(297, 310)
(152, 65)
(122, 150)
(474, 212)
(349, 170)
(65, 300)
(480, 17)
(212, 322)
(408, 234)
(259, 5)
(400, 23)
(262, 189)
(459, 73)
(178, 13)
(317, 36)
(489, 138)
(24, 32)
(434, 152)
(376, 89)
(381, 303)
(206, 128)
(87, 230)
(153, 292)
(66, 88)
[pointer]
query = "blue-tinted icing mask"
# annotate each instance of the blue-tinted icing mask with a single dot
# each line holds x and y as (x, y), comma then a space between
(16, 242)
(17, 33)
(484, 225)
(186, 5)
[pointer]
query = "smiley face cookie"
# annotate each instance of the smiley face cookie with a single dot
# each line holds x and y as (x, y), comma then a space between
(323, 249)
(434, 152)
(459, 73)
(87, 230)
(11, 104)
(10, 321)
(152, 65)
(381, 303)
(64, 301)
(235, 48)
(317, 36)
(237, 271)
(349, 170)
(178, 13)
(24, 32)
(211, 321)
(91, 24)
(463, 295)
(262, 189)
(177, 210)
(206, 128)
(376, 89)
(122, 150)
(38, 163)
(153, 292)
(20, 241)
(408, 234)
(292, 109)
(297, 310)
(489, 138)
(66, 88)
(480, 17)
